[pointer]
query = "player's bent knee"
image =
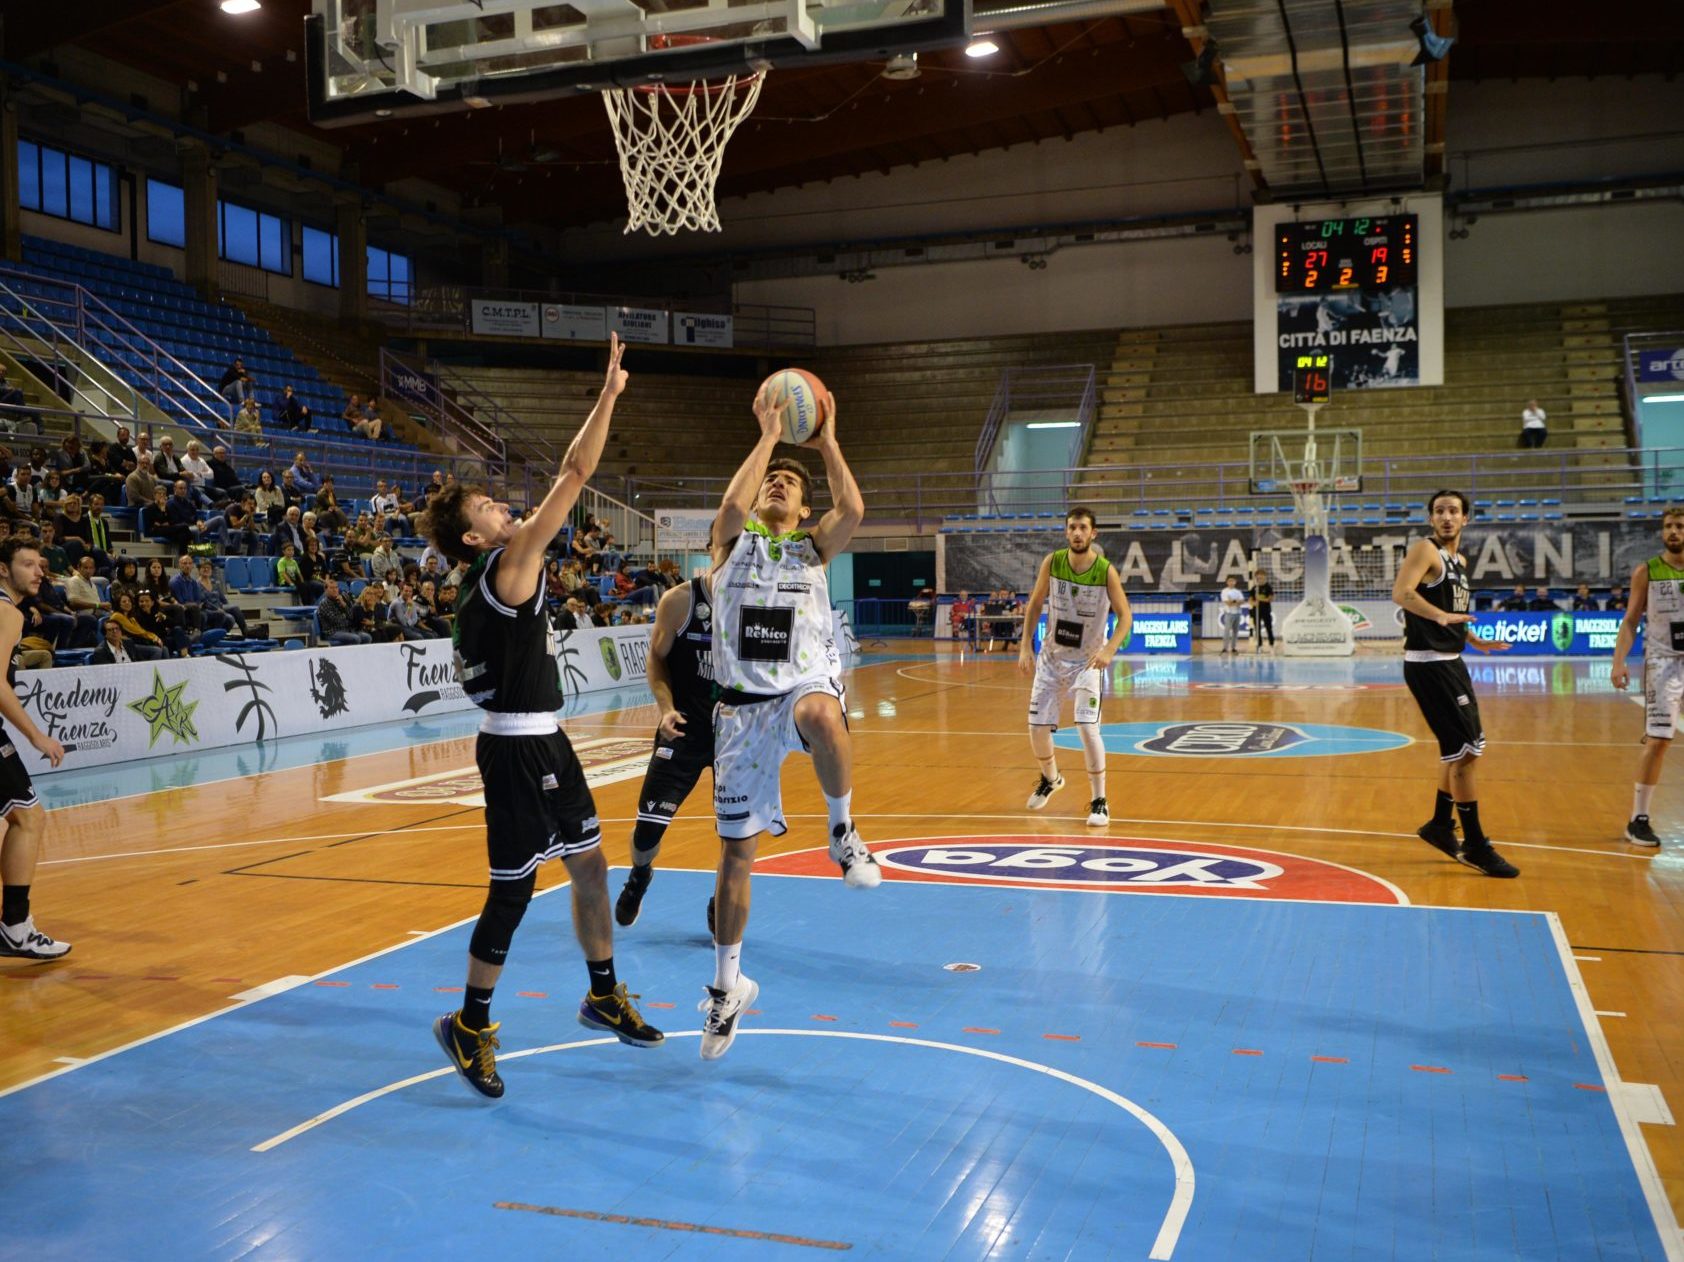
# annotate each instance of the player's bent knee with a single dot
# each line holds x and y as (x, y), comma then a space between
(505, 906)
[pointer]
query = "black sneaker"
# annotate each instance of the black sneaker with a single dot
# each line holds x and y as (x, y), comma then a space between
(472, 1053)
(1487, 860)
(710, 915)
(1638, 832)
(615, 1014)
(630, 902)
(1440, 836)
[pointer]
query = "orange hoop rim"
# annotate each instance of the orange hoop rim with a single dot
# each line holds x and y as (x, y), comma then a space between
(694, 87)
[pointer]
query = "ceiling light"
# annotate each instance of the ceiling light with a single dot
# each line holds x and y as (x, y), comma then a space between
(981, 46)
(241, 6)
(1052, 425)
(1434, 47)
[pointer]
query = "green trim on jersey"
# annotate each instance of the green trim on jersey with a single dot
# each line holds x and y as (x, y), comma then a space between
(754, 527)
(1093, 576)
(1661, 570)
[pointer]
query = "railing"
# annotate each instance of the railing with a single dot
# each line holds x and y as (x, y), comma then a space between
(520, 442)
(418, 387)
(85, 320)
(1593, 478)
(1054, 392)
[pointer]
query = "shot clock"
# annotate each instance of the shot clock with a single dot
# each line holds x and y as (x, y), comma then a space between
(1320, 256)
(1312, 379)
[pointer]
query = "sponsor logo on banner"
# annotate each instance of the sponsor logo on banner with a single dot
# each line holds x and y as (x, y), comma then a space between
(1126, 865)
(610, 659)
(428, 680)
(1359, 620)
(692, 329)
(77, 712)
(684, 528)
(634, 652)
(504, 319)
(327, 689)
(166, 709)
(1661, 365)
(639, 324)
(575, 324)
(1223, 740)
(256, 708)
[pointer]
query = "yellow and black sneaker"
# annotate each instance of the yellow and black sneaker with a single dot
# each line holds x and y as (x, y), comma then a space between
(472, 1053)
(615, 1014)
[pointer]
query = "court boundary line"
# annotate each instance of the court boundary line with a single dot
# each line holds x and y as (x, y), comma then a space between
(1169, 1232)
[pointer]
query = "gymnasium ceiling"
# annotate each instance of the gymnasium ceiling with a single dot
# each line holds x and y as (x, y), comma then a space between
(553, 162)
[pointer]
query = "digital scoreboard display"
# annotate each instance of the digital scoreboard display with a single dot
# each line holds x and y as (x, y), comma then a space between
(1331, 254)
(1312, 378)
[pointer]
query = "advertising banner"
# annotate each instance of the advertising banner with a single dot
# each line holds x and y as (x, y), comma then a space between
(1372, 336)
(412, 387)
(575, 324)
(638, 324)
(503, 319)
(698, 329)
(1151, 633)
(687, 529)
(1661, 365)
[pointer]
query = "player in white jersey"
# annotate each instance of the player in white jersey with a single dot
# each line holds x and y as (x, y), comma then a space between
(1657, 602)
(778, 672)
(1078, 587)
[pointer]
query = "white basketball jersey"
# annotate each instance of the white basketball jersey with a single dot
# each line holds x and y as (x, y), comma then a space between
(771, 614)
(1077, 605)
(1663, 630)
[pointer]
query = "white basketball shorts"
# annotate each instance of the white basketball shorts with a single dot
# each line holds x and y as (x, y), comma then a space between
(1663, 690)
(1060, 677)
(750, 743)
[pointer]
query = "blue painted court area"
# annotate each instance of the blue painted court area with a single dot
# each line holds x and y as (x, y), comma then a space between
(1121, 1078)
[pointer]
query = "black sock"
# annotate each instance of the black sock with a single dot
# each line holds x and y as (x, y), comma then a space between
(1443, 809)
(14, 905)
(603, 980)
(1472, 833)
(476, 1008)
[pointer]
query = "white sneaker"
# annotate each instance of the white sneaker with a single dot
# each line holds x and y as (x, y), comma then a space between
(29, 942)
(723, 1007)
(859, 867)
(1099, 814)
(1044, 789)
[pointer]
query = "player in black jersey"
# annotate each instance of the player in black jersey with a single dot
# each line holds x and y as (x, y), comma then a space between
(21, 570)
(537, 804)
(1432, 588)
(681, 677)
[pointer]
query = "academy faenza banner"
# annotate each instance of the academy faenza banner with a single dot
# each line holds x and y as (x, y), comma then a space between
(107, 714)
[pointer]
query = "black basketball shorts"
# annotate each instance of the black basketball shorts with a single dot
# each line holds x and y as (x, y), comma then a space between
(674, 768)
(1446, 697)
(537, 804)
(16, 788)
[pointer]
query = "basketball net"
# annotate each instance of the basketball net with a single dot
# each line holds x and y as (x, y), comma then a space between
(671, 140)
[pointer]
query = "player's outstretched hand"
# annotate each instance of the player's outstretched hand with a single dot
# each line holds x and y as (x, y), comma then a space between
(1447, 619)
(826, 437)
(766, 412)
(617, 376)
(672, 725)
(1100, 661)
(53, 750)
(1620, 676)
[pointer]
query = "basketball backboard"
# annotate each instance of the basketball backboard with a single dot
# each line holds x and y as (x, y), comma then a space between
(372, 59)
(1281, 457)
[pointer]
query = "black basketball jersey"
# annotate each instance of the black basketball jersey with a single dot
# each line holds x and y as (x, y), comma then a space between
(690, 659)
(12, 661)
(1449, 593)
(505, 655)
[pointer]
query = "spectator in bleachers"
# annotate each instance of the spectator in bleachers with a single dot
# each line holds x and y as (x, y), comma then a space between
(458, 573)
(555, 588)
(368, 615)
(75, 534)
(369, 425)
(444, 604)
(309, 523)
(56, 559)
(1533, 424)
(360, 536)
(387, 501)
(627, 589)
(166, 465)
(269, 500)
(289, 530)
(15, 413)
(183, 515)
(45, 622)
(406, 613)
(50, 493)
(143, 643)
(333, 617)
(81, 595)
(1616, 599)
(1517, 602)
(125, 578)
(573, 616)
(602, 614)
(304, 475)
(1541, 602)
(313, 565)
(235, 385)
(430, 488)
(99, 532)
(287, 573)
(155, 581)
(149, 614)
(383, 563)
(249, 419)
(345, 567)
(584, 548)
(114, 649)
(196, 471)
(431, 553)
(432, 616)
(23, 499)
(108, 469)
(123, 445)
(72, 462)
(329, 516)
(141, 486)
(292, 411)
(353, 411)
(225, 479)
(155, 522)
(290, 490)
(216, 595)
(187, 592)
(1583, 600)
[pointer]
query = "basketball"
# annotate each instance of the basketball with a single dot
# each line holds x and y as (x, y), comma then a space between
(803, 402)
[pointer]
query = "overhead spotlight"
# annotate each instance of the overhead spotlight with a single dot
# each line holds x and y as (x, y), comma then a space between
(241, 6)
(901, 66)
(1434, 47)
(982, 46)
(1201, 70)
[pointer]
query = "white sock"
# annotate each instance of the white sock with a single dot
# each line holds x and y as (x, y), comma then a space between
(1093, 755)
(1641, 793)
(727, 965)
(839, 808)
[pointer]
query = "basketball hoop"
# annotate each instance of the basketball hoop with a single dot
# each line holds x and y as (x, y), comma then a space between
(671, 139)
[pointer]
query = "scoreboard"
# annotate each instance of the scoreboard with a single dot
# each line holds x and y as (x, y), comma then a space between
(1337, 254)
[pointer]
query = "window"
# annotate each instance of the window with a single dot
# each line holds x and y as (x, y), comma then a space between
(321, 256)
(66, 186)
(388, 276)
(166, 214)
(248, 236)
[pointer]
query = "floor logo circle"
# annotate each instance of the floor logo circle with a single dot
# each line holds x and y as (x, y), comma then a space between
(1238, 738)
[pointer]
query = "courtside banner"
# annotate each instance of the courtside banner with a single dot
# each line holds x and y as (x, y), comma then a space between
(503, 319)
(575, 324)
(107, 714)
(685, 529)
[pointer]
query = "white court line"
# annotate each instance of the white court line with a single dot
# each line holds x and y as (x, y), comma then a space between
(1181, 1201)
(277, 987)
(265, 841)
(1647, 1104)
(1642, 1160)
(1603, 1012)
(1588, 959)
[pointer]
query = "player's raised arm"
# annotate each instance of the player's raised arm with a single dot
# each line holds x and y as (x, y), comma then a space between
(836, 528)
(670, 615)
(745, 483)
(1637, 601)
(523, 557)
(1032, 616)
(1418, 562)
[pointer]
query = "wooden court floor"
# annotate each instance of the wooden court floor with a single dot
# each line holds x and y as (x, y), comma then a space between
(180, 899)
